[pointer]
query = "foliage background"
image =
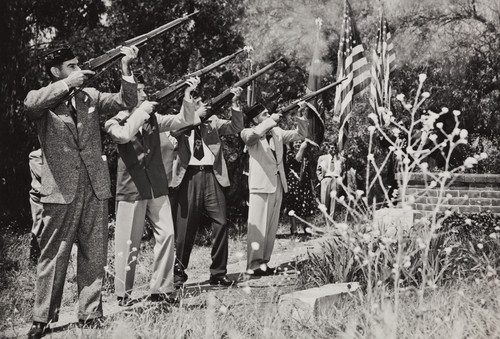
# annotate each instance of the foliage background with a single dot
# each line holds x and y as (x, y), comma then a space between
(455, 42)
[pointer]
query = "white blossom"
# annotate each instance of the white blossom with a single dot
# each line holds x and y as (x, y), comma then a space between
(426, 95)
(422, 77)
(470, 162)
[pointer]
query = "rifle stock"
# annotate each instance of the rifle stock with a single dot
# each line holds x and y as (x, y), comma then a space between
(172, 91)
(216, 103)
(310, 96)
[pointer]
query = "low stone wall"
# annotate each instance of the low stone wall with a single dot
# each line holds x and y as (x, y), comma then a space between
(467, 193)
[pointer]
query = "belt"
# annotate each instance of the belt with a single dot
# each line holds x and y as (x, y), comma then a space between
(201, 168)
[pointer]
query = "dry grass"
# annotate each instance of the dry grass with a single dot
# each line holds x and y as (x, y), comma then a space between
(454, 311)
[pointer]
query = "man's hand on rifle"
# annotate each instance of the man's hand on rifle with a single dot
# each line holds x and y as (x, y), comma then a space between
(236, 97)
(237, 93)
(148, 106)
(77, 78)
(191, 83)
(276, 116)
(130, 54)
(302, 106)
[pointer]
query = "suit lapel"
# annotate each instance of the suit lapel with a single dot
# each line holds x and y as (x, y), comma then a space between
(63, 112)
(207, 134)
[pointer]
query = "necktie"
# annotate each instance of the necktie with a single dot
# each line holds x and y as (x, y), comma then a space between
(197, 145)
(72, 111)
(268, 138)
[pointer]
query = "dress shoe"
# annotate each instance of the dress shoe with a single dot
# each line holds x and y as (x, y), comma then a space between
(222, 280)
(37, 330)
(169, 298)
(273, 270)
(258, 272)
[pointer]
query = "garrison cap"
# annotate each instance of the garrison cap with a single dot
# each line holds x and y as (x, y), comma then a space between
(254, 111)
(56, 56)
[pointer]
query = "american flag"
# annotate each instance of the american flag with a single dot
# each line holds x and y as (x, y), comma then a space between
(382, 64)
(352, 64)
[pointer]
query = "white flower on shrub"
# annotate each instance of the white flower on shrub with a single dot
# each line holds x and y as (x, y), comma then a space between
(134, 249)
(291, 213)
(396, 131)
(439, 125)
(371, 129)
(493, 235)
(468, 221)
(444, 110)
(422, 77)
(400, 97)
(322, 208)
(433, 137)
(456, 131)
(127, 268)
(464, 133)
(432, 184)
(480, 246)
(426, 95)
(408, 106)
(447, 250)
(356, 250)
(255, 246)
(129, 242)
(456, 113)
(470, 162)
(483, 155)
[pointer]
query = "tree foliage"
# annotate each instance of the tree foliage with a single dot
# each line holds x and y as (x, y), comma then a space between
(455, 42)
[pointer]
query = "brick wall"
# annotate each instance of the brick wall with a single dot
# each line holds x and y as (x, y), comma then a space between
(467, 193)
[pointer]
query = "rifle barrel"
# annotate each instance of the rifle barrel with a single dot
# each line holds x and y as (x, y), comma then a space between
(137, 41)
(311, 95)
(170, 92)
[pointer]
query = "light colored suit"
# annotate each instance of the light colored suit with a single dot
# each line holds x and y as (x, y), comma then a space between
(328, 169)
(266, 183)
(74, 192)
(141, 191)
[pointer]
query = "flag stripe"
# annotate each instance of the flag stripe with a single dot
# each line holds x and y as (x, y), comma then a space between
(353, 64)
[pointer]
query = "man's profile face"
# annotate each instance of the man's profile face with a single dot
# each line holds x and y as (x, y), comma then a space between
(66, 68)
(141, 95)
(261, 117)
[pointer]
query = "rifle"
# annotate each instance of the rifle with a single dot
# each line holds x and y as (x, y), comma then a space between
(218, 102)
(171, 91)
(108, 59)
(310, 96)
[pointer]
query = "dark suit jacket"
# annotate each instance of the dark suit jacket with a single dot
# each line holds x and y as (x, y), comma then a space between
(141, 174)
(211, 130)
(66, 146)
